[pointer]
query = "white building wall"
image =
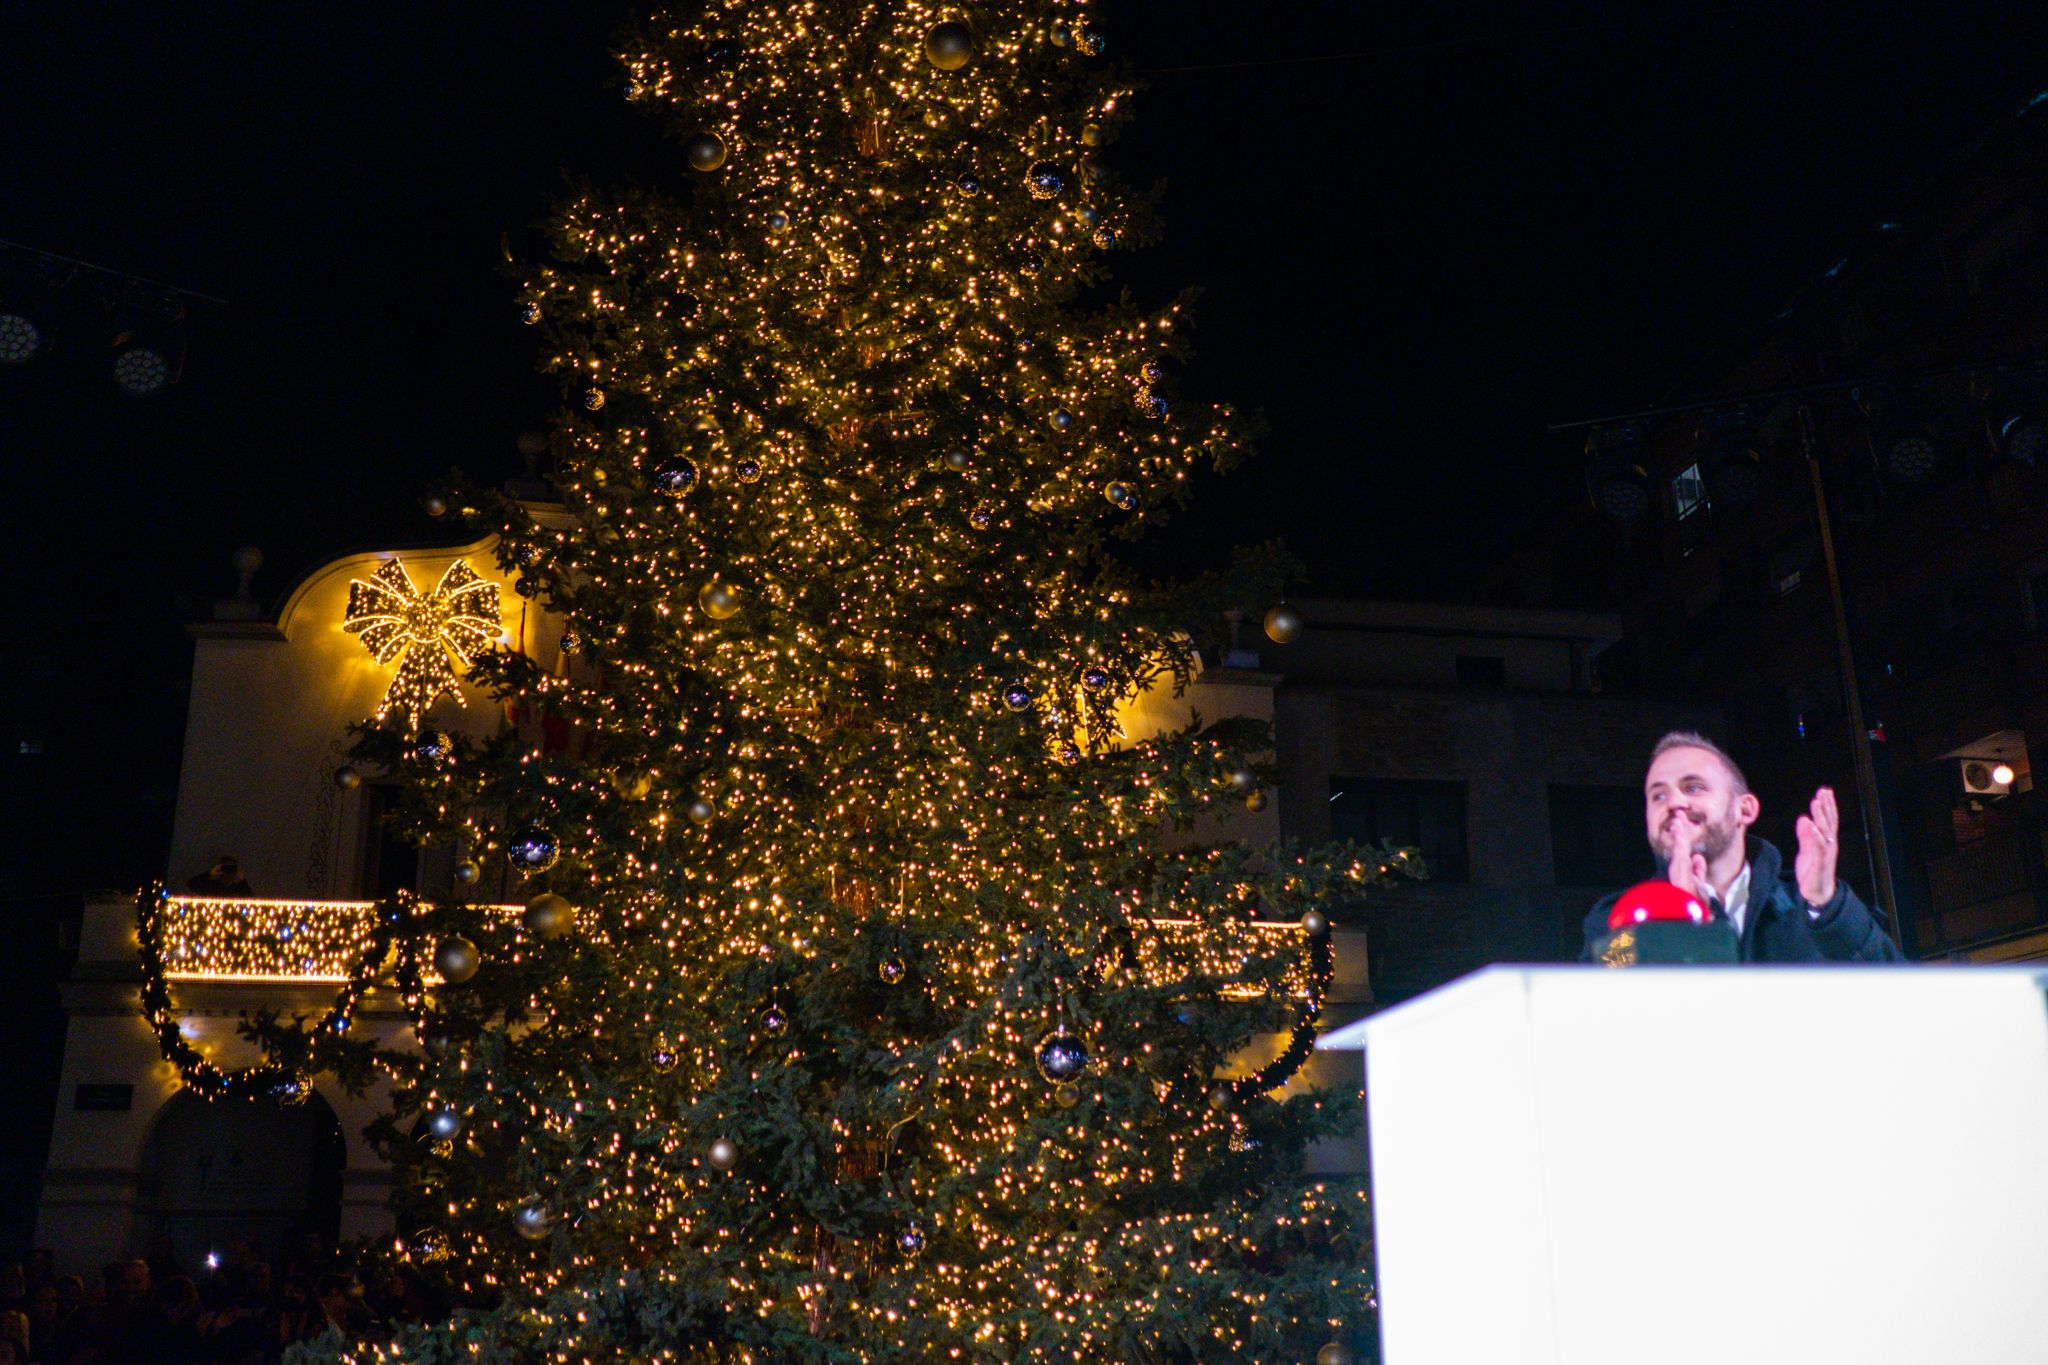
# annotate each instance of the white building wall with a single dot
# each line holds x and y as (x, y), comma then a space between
(268, 724)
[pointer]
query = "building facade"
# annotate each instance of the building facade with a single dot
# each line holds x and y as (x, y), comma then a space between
(1904, 395)
(1476, 736)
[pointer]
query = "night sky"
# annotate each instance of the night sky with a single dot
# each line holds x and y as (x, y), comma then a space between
(1424, 233)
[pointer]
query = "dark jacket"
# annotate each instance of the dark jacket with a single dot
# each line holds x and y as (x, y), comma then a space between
(1777, 928)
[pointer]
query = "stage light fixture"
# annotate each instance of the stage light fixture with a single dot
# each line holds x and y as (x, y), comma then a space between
(1617, 480)
(141, 369)
(1904, 437)
(1735, 470)
(22, 339)
(1912, 453)
(2022, 433)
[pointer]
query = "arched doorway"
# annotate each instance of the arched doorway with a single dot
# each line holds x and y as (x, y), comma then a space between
(219, 1172)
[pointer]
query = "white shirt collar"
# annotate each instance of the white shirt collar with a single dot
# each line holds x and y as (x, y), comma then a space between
(1734, 903)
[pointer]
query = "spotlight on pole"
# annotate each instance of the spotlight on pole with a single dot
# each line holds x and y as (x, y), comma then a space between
(2023, 435)
(2016, 415)
(148, 350)
(1905, 439)
(22, 338)
(141, 370)
(29, 282)
(1617, 480)
(1732, 460)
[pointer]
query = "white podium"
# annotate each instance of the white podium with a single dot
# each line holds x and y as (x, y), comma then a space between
(1729, 1166)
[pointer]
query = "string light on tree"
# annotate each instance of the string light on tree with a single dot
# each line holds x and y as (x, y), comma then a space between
(832, 763)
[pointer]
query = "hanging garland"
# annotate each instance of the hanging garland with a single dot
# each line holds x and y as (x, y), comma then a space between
(270, 1079)
(1276, 1073)
(1301, 1042)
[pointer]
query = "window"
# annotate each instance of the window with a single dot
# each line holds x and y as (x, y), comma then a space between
(1428, 816)
(1688, 493)
(1482, 670)
(2034, 579)
(1596, 836)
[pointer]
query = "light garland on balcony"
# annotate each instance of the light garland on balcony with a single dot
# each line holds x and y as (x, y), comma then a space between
(220, 939)
(351, 943)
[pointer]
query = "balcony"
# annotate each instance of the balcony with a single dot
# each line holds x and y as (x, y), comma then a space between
(298, 942)
(279, 942)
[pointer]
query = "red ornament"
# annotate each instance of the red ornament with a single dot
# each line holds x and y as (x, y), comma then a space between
(1656, 900)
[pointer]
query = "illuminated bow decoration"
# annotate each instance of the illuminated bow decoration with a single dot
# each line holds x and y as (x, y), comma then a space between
(459, 617)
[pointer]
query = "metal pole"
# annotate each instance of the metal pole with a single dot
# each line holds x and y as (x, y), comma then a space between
(1859, 735)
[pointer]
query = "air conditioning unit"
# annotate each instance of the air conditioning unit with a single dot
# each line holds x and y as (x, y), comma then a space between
(1986, 777)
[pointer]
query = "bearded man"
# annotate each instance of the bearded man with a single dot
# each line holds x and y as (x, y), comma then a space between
(1697, 809)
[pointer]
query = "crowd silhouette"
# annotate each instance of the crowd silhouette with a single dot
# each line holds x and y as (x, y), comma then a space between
(240, 1308)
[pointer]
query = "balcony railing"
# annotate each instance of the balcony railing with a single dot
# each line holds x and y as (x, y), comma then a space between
(212, 938)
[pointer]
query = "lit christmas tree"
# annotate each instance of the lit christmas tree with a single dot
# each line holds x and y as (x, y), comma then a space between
(878, 994)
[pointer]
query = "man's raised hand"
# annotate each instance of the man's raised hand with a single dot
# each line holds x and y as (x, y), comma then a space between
(1819, 846)
(1688, 867)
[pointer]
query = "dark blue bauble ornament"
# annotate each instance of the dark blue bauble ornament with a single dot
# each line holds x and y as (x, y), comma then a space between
(910, 1241)
(968, 184)
(1044, 180)
(430, 747)
(675, 476)
(1017, 697)
(533, 849)
(1094, 677)
(1061, 1056)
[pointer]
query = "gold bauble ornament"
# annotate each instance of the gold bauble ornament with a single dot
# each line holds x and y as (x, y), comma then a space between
(1283, 625)
(456, 959)
(1219, 1098)
(1066, 1095)
(1256, 802)
(700, 810)
(549, 916)
(723, 1153)
(949, 46)
(719, 599)
(1335, 1353)
(1315, 923)
(467, 872)
(632, 785)
(347, 778)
